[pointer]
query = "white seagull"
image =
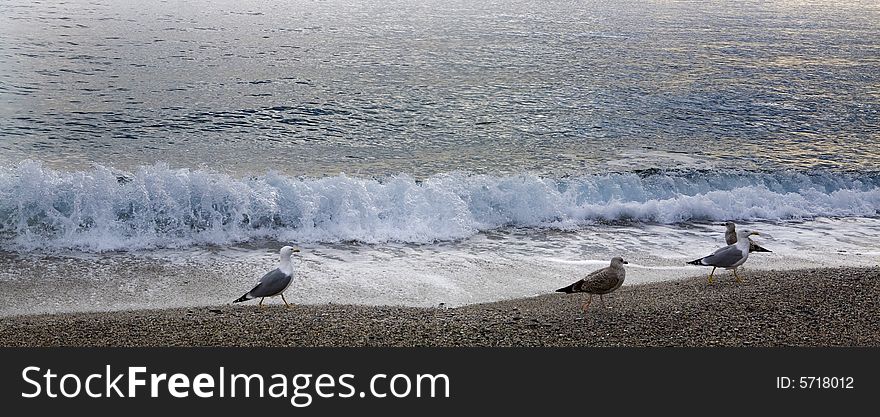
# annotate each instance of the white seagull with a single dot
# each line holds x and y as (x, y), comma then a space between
(275, 282)
(730, 256)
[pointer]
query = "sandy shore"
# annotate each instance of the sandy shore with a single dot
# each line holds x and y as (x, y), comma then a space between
(815, 307)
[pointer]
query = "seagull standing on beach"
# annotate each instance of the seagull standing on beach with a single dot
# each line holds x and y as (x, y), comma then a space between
(275, 282)
(730, 238)
(599, 282)
(730, 256)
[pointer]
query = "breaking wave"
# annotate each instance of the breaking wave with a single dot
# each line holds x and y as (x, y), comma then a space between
(156, 206)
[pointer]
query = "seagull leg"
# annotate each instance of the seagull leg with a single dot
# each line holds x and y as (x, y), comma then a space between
(602, 300)
(261, 302)
(587, 304)
(712, 275)
(736, 275)
(285, 301)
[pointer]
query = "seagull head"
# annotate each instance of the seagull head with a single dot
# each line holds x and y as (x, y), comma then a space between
(731, 226)
(745, 233)
(618, 262)
(287, 251)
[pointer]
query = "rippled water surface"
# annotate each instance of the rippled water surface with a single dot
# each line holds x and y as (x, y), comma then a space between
(421, 87)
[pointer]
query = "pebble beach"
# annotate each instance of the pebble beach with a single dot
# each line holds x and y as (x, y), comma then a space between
(811, 307)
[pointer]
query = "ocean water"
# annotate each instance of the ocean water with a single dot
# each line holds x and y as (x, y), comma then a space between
(424, 152)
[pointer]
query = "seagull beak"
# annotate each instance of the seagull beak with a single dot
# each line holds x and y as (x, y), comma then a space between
(625, 263)
(755, 233)
(296, 249)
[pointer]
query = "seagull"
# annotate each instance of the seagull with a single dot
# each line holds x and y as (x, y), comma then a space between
(599, 282)
(730, 256)
(275, 282)
(730, 238)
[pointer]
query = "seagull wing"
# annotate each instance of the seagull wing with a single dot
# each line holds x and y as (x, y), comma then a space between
(602, 280)
(271, 284)
(754, 247)
(724, 257)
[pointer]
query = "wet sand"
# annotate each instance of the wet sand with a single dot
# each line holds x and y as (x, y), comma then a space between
(813, 307)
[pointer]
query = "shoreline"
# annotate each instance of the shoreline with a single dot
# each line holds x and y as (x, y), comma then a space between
(809, 307)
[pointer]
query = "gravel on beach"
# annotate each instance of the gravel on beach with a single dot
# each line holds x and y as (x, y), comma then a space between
(814, 307)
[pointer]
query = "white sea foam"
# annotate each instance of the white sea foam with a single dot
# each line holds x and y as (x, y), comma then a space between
(482, 268)
(157, 206)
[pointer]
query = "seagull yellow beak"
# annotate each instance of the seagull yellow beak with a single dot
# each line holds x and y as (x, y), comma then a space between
(296, 249)
(754, 233)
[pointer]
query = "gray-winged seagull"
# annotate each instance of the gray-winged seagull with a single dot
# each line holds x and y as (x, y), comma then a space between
(599, 282)
(275, 282)
(730, 256)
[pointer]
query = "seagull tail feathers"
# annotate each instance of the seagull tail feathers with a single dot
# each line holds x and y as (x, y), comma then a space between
(568, 290)
(696, 262)
(244, 298)
(760, 249)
